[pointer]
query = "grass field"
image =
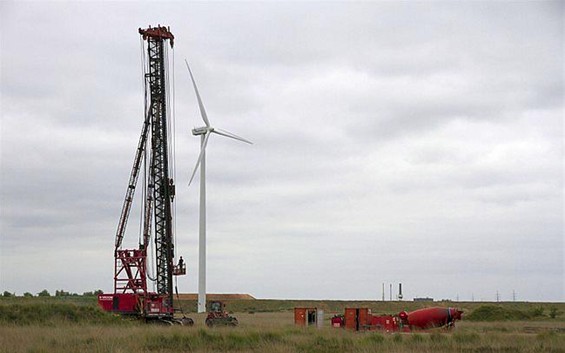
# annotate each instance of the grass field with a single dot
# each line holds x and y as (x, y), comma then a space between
(45, 325)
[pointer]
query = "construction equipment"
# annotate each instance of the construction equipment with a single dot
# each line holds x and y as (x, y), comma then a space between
(432, 317)
(361, 319)
(218, 316)
(154, 158)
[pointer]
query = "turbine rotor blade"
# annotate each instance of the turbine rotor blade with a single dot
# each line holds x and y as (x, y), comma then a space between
(202, 150)
(200, 104)
(230, 135)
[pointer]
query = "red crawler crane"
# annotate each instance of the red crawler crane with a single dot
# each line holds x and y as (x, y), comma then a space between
(131, 295)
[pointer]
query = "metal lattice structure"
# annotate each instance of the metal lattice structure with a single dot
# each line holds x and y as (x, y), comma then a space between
(131, 295)
(159, 165)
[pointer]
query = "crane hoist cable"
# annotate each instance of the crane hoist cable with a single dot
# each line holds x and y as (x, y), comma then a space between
(171, 127)
(144, 162)
(143, 195)
(171, 86)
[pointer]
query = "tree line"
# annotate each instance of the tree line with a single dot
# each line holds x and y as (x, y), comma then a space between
(58, 293)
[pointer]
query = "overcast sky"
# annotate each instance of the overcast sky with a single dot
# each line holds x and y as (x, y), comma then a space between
(413, 142)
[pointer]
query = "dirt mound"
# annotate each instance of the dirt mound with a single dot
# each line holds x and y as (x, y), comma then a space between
(222, 297)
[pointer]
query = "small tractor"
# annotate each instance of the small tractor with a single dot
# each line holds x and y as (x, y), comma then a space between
(218, 316)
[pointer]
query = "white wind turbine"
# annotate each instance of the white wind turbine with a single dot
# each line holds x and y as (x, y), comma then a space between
(204, 133)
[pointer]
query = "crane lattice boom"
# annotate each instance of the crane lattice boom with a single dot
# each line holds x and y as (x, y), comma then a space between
(131, 295)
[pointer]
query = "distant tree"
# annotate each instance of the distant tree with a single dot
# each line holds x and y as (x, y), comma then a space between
(61, 293)
(7, 294)
(28, 294)
(92, 294)
(44, 293)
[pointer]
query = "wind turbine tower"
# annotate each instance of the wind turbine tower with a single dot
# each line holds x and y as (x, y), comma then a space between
(204, 132)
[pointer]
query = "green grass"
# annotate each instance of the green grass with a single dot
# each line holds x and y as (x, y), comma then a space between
(511, 310)
(525, 310)
(55, 314)
(202, 339)
(48, 325)
(501, 313)
(143, 338)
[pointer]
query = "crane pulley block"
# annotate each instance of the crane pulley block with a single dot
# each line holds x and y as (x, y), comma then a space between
(161, 32)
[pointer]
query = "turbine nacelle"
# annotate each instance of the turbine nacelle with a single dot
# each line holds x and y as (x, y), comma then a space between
(202, 130)
(206, 131)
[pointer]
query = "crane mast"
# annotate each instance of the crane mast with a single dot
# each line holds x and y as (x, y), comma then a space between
(131, 295)
(162, 185)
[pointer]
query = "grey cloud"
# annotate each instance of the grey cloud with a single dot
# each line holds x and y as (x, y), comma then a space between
(422, 134)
